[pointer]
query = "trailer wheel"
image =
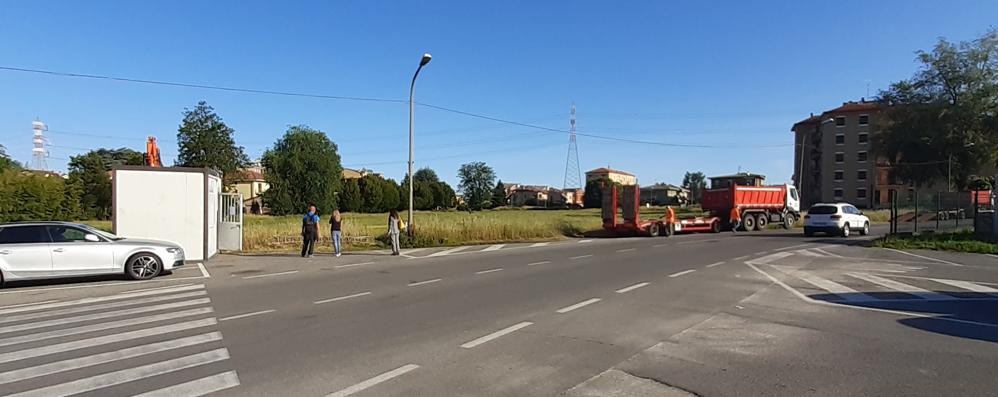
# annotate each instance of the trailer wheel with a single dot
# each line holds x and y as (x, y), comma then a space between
(761, 221)
(748, 223)
(653, 230)
(715, 227)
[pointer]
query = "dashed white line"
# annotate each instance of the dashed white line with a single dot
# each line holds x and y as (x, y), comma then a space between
(661, 245)
(631, 288)
(759, 253)
(270, 274)
(539, 244)
(494, 247)
(584, 241)
(674, 275)
(247, 315)
(581, 256)
(418, 283)
(29, 304)
(743, 257)
(586, 302)
(497, 334)
(924, 257)
(538, 263)
(374, 381)
(691, 242)
(489, 271)
(627, 250)
(448, 251)
(353, 265)
(204, 271)
(339, 298)
(715, 264)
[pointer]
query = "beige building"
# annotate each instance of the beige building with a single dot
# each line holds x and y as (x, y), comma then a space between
(621, 177)
(251, 184)
(834, 157)
(664, 194)
(349, 173)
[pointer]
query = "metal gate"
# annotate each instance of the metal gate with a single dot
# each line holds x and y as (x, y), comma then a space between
(230, 222)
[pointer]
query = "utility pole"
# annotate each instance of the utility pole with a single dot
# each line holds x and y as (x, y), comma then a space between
(573, 174)
(38, 152)
(412, 89)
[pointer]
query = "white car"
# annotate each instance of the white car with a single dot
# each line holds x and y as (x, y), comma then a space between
(838, 218)
(35, 250)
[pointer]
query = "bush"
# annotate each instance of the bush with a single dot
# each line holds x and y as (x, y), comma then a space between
(26, 196)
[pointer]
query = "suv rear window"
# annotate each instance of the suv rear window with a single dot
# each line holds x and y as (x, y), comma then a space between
(823, 210)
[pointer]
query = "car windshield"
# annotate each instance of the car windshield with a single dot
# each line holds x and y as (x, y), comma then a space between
(823, 210)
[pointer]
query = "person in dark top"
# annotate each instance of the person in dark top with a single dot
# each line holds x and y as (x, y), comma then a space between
(309, 232)
(336, 227)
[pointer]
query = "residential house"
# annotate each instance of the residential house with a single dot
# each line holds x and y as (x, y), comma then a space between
(621, 177)
(664, 194)
(573, 196)
(349, 173)
(251, 184)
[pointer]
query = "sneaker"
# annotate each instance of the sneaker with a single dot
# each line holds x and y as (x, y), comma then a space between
(337, 254)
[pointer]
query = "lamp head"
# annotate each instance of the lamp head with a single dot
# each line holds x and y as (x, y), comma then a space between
(426, 59)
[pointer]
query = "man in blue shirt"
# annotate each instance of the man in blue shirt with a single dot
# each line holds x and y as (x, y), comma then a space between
(309, 232)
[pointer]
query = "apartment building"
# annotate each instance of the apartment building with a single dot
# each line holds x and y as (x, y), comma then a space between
(834, 158)
(621, 177)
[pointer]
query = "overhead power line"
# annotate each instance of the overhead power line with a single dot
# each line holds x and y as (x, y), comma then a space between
(386, 100)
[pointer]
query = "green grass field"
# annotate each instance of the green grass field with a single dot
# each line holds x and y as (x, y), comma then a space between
(957, 242)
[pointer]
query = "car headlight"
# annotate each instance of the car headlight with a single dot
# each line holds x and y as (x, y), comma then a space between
(175, 250)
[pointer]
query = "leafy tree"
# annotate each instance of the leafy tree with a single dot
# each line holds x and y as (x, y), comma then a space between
(119, 156)
(205, 141)
(443, 195)
(302, 168)
(593, 197)
(945, 115)
(425, 175)
(429, 192)
(391, 198)
(6, 162)
(477, 180)
(27, 196)
(372, 193)
(89, 173)
(499, 195)
(697, 183)
(349, 198)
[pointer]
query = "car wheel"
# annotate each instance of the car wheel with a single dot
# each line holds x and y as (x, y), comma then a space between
(761, 221)
(143, 266)
(846, 230)
(653, 230)
(866, 229)
(748, 223)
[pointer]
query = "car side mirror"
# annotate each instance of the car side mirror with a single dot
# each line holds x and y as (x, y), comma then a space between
(92, 238)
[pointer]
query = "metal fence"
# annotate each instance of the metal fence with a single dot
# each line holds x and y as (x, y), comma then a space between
(914, 211)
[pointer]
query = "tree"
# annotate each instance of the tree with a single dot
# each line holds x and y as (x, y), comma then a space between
(443, 195)
(697, 183)
(476, 184)
(119, 156)
(372, 193)
(426, 175)
(349, 198)
(593, 197)
(205, 141)
(499, 194)
(391, 198)
(428, 193)
(89, 174)
(6, 163)
(302, 168)
(945, 117)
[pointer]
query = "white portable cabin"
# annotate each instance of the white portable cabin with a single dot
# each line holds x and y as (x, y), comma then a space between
(175, 204)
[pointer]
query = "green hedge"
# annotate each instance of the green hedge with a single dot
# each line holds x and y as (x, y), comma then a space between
(26, 196)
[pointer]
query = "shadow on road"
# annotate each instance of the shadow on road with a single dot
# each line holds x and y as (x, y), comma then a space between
(968, 315)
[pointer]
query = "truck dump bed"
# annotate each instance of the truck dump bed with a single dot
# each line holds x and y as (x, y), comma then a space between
(756, 197)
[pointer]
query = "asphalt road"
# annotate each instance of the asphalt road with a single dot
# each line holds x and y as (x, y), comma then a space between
(768, 313)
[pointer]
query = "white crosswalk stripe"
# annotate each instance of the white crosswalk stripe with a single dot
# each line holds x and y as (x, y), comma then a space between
(902, 287)
(842, 291)
(121, 342)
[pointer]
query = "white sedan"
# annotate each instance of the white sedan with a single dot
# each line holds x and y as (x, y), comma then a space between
(835, 219)
(36, 250)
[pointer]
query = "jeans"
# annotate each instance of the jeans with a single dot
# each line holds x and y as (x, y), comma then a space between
(395, 242)
(336, 241)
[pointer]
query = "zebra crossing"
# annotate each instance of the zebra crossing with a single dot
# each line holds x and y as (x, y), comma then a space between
(112, 345)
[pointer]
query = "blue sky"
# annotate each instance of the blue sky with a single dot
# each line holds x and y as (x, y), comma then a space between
(718, 74)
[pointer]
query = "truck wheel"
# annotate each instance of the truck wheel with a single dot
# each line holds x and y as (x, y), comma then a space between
(653, 230)
(715, 227)
(748, 223)
(788, 221)
(761, 221)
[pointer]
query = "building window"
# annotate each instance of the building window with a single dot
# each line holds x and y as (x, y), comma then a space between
(839, 175)
(840, 157)
(861, 175)
(840, 139)
(861, 193)
(864, 119)
(837, 193)
(864, 138)
(861, 157)
(840, 121)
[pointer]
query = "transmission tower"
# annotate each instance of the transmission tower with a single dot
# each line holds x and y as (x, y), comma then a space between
(38, 152)
(573, 175)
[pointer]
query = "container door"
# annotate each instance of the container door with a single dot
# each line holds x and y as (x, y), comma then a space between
(230, 222)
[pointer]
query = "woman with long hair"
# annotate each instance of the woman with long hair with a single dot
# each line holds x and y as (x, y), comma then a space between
(336, 227)
(394, 230)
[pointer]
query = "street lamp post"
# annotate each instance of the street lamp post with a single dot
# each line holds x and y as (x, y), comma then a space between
(412, 87)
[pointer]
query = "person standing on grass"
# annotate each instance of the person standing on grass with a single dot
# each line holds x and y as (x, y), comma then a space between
(394, 230)
(736, 219)
(335, 228)
(309, 232)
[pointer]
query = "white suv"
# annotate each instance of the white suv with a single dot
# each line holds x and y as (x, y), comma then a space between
(838, 218)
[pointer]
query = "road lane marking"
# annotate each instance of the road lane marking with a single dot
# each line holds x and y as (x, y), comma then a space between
(198, 387)
(538, 263)
(99, 299)
(586, 302)
(584, 241)
(489, 271)
(793, 247)
(627, 250)
(29, 304)
(418, 283)
(408, 253)
(244, 315)
(826, 253)
(339, 298)
(374, 381)
(539, 244)
(154, 289)
(693, 242)
(497, 334)
(759, 253)
(102, 358)
(494, 247)
(769, 258)
(204, 271)
(842, 291)
(901, 287)
(100, 285)
(113, 305)
(59, 333)
(631, 288)
(967, 285)
(127, 375)
(924, 257)
(448, 251)
(581, 256)
(103, 340)
(270, 274)
(715, 264)
(353, 265)
(743, 257)
(992, 255)
(674, 275)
